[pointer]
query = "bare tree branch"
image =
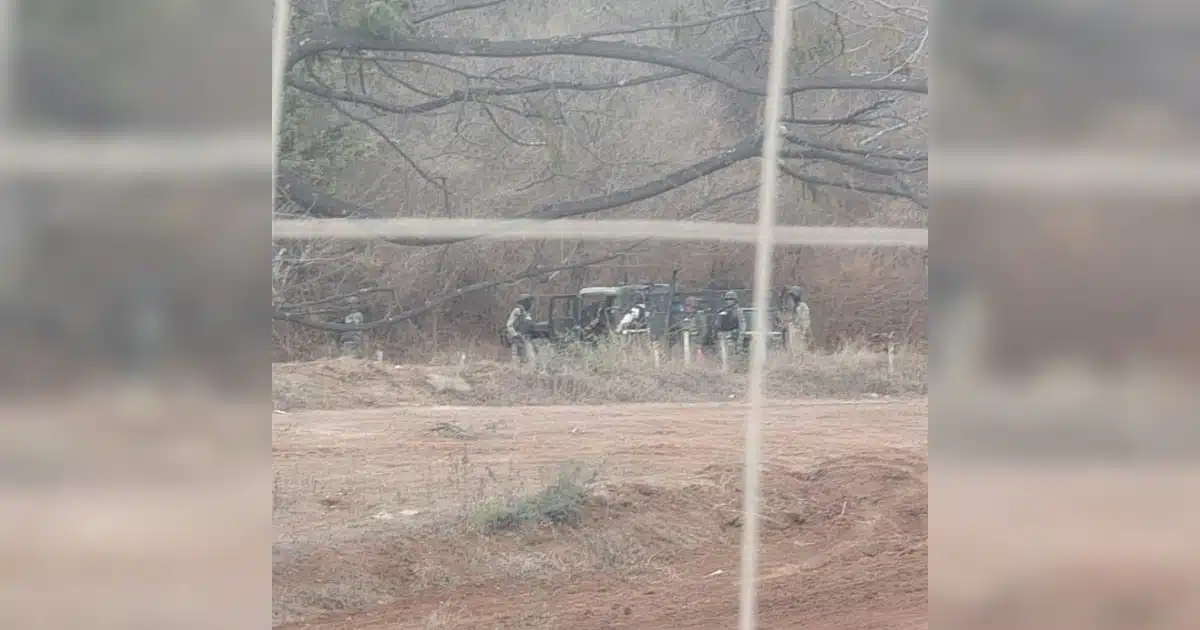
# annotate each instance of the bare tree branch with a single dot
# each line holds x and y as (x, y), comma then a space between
(319, 204)
(751, 147)
(475, 93)
(326, 40)
(468, 94)
(439, 182)
(671, 26)
(306, 320)
(858, 116)
(864, 139)
(814, 180)
(504, 132)
(748, 148)
(845, 160)
(879, 154)
(437, 13)
(335, 298)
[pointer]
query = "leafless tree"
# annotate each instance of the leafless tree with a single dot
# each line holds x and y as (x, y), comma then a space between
(538, 109)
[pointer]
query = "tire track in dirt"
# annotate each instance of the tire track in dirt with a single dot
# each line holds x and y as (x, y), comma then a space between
(844, 512)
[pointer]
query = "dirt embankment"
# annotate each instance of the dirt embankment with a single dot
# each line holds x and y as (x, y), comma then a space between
(463, 517)
(844, 544)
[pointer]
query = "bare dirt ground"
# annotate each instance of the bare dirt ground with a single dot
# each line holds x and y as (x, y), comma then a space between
(380, 517)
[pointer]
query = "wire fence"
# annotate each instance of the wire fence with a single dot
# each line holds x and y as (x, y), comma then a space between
(242, 152)
(765, 235)
(94, 156)
(425, 231)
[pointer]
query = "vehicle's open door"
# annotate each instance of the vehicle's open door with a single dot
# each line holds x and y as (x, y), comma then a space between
(659, 304)
(563, 315)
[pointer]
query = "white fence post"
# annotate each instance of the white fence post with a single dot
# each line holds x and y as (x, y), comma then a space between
(891, 355)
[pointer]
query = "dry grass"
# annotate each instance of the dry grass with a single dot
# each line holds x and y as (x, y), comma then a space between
(350, 536)
(492, 524)
(559, 503)
(349, 540)
(496, 526)
(606, 374)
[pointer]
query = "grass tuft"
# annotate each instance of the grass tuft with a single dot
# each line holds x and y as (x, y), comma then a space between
(560, 503)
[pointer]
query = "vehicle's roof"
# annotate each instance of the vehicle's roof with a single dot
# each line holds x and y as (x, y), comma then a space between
(601, 291)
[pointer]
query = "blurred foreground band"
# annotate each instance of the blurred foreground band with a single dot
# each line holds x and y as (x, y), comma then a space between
(1063, 302)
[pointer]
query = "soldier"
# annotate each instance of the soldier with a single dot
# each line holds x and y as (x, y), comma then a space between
(800, 329)
(516, 328)
(690, 316)
(729, 320)
(350, 341)
(730, 314)
(601, 320)
(635, 319)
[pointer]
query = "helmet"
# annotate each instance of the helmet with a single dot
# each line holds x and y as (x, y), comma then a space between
(795, 292)
(730, 295)
(525, 300)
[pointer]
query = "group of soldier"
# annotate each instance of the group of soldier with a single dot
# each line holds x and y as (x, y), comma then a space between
(731, 321)
(728, 323)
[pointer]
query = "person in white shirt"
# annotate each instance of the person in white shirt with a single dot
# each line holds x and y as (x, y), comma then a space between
(635, 319)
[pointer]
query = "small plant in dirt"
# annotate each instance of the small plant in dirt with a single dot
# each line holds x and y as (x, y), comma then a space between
(452, 430)
(561, 502)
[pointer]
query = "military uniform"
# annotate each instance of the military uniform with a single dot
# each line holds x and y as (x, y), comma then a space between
(800, 328)
(692, 319)
(350, 342)
(727, 323)
(515, 328)
(601, 321)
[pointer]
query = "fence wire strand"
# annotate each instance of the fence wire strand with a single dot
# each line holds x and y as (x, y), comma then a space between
(1042, 171)
(419, 231)
(101, 156)
(279, 52)
(781, 39)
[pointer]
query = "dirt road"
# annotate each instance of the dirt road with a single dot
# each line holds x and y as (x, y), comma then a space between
(366, 498)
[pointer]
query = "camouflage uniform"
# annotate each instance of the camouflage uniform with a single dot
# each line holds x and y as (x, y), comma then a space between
(518, 322)
(800, 328)
(601, 322)
(728, 322)
(691, 318)
(350, 341)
